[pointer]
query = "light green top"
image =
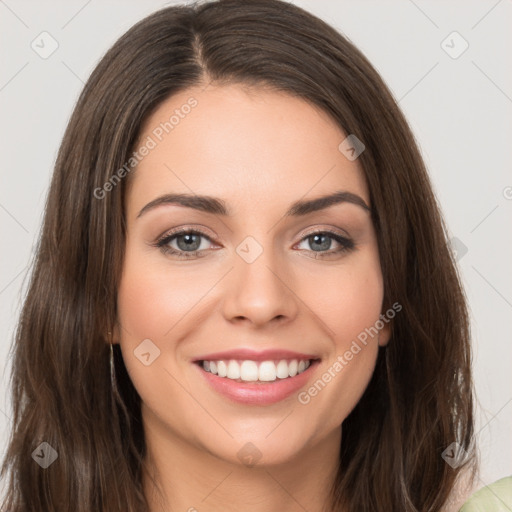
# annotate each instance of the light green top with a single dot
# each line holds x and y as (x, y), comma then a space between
(496, 497)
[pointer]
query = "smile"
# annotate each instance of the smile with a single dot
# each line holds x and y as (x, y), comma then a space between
(256, 383)
(256, 371)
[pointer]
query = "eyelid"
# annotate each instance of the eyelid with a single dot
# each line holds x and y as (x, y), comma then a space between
(202, 230)
(314, 228)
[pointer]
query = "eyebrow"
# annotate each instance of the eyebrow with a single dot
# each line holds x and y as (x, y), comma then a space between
(218, 206)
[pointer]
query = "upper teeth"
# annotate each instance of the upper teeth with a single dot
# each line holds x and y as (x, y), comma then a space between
(250, 371)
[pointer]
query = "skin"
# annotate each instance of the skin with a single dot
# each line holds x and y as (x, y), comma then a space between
(260, 151)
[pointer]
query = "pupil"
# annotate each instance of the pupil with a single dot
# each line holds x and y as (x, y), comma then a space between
(189, 239)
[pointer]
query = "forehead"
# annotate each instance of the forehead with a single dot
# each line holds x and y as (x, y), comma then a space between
(247, 145)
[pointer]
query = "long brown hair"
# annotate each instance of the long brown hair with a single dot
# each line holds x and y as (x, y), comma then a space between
(420, 398)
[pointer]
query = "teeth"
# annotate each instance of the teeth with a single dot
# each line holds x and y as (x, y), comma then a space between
(267, 371)
(233, 370)
(222, 369)
(292, 368)
(250, 371)
(282, 371)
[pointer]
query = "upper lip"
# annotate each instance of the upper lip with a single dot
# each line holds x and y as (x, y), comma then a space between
(253, 355)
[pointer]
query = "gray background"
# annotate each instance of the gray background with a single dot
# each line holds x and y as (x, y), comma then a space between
(459, 109)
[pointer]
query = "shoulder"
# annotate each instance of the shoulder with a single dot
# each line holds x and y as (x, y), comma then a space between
(496, 497)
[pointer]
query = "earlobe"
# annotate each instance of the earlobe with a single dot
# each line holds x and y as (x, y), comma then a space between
(385, 335)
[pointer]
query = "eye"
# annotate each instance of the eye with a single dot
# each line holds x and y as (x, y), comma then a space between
(323, 240)
(188, 243)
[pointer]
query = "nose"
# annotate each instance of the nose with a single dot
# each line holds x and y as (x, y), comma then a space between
(260, 291)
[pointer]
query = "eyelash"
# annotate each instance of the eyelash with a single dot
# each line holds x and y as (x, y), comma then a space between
(347, 245)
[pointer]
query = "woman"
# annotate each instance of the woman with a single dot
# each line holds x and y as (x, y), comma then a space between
(311, 352)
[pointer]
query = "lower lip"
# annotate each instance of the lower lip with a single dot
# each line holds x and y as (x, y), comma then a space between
(258, 393)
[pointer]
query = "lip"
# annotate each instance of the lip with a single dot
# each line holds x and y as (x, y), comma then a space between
(253, 355)
(258, 393)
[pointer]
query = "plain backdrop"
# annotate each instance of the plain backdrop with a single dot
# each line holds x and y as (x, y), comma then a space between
(446, 64)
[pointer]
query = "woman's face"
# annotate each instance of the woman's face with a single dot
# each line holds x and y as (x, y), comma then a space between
(257, 279)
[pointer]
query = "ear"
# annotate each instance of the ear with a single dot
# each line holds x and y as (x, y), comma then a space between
(385, 334)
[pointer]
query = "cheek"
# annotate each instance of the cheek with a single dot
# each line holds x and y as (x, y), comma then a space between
(350, 299)
(153, 296)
